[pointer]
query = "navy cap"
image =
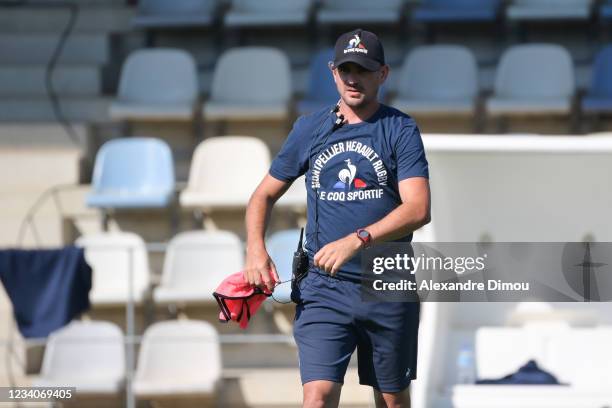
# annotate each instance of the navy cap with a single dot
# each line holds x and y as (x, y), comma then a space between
(361, 47)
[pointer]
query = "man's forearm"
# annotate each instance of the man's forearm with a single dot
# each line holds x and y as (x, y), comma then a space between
(259, 209)
(259, 269)
(400, 222)
(257, 218)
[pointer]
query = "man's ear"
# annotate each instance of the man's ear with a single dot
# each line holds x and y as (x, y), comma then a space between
(383, 72)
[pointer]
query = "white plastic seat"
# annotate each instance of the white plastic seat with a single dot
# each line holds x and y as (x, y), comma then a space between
(250, 83)
(87, 355)
(225, 171)
(295, 196)
(359, 11)
(157, 84)
(549, 10)
(178, 358)
(256, 13)
(439, 79)
(196, 262)
(110, 256)
(533, 79)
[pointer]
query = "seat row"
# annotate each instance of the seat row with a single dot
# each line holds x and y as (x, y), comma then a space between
(138, 172)
(162, 84)
(195, 263)
(273, 13)
(179, 358)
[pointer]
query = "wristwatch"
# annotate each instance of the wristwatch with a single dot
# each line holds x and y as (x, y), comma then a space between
(365, 237)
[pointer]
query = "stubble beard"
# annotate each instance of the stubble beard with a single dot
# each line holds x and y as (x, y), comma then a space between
(358, 104)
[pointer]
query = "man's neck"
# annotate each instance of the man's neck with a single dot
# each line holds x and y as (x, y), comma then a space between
(358, 115)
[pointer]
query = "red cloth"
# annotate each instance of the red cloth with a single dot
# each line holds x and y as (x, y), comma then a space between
(238, 299)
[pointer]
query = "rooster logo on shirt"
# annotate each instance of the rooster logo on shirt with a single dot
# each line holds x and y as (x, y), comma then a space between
(347, 177)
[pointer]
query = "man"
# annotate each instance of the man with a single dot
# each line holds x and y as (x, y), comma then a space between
(367, 182)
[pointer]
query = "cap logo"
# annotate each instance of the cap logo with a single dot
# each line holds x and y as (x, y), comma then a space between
(355, 45)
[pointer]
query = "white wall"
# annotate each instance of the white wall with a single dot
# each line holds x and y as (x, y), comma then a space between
(507, 188)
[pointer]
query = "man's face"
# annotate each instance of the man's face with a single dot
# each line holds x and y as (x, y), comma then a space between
(357, 86)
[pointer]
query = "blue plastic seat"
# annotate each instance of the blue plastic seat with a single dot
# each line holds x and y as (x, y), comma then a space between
(547, 10)
(438, 79)
(268, 13)
(439, 11)
(358, 12)
(133, 173)
(599, 97)
(321, 90)
(175, 13)
(605, 12)
(281, 246)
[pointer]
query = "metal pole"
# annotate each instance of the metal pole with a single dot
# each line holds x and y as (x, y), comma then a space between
(129, 354)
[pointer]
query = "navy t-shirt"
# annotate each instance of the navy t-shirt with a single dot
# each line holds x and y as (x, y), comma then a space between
(355, 170)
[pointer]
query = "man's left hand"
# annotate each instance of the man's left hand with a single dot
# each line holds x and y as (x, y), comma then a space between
(333, 255)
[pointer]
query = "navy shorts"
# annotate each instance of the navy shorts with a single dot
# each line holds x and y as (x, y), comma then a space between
(331, 321)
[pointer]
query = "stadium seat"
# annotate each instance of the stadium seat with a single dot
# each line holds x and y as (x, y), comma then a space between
(87, 355)
(175, 13)
(224, 172)
(321, 91)
(605, 11)
(157, 85)
(268, 13)
(250, 83)
(110, 256)
(438, 79)
(180, 359)
(359, 12)
(281, 245)
(133, 173)
(448, 11)
(524, 10)
(196, 262)
(295, 196)
(534, 79)
(599, 97)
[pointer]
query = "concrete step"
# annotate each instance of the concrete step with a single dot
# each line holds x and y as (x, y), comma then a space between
(39, 109)
(38, 48)
(29, 80)
(37, 169)
(39, 135)
(98, 18)
(54, 219)
(48, 233)
(269, 387)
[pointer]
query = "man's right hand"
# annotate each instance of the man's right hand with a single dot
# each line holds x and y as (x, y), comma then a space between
(259, 269)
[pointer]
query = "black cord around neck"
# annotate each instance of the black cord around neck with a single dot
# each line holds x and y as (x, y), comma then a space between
(338, 123)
